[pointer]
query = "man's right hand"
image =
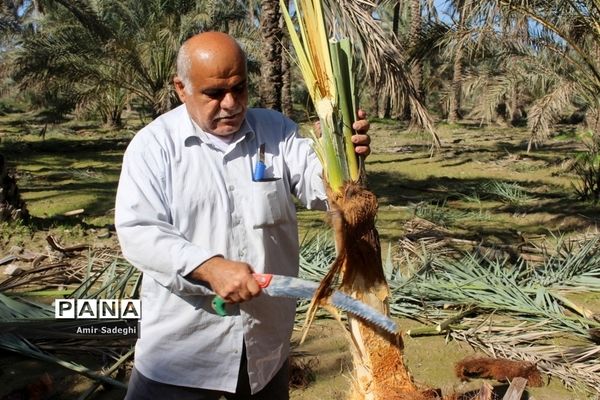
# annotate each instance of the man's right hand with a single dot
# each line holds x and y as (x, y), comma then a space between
(232, 280)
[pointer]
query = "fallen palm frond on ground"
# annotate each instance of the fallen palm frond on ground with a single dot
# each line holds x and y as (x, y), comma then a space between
(29, 326)
(514, 310)
(61, 269)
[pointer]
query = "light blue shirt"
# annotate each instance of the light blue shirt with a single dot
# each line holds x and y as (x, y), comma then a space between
(181, 200)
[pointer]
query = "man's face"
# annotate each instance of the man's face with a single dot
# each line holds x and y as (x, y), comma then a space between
(218, 98)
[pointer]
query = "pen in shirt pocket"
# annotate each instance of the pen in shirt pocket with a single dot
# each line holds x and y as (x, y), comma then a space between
(259, 168)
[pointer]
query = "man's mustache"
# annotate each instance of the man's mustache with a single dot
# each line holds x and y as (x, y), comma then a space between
(228, 115)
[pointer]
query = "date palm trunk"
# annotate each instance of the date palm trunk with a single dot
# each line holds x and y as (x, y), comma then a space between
(457, 76)
(12, 207)
(456, 88)
(271, 71)
(328, 70)
(416, 69)
(379, 369)
(387, 113)
(286, 74)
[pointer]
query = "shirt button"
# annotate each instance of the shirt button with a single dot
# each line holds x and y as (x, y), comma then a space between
(231, 188)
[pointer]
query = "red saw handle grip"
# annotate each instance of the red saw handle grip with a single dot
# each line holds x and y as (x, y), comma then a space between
(263, 280)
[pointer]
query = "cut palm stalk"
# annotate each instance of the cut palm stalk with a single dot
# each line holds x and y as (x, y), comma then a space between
(327, 69)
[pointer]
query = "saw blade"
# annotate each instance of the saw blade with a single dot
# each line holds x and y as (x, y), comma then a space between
(287, 286)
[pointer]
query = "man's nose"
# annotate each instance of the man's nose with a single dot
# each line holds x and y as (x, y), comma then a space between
(229, 101)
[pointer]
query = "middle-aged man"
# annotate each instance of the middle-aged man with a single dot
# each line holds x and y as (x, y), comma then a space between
(190, 216)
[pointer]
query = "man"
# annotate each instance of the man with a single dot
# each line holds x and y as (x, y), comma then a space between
(192, 219)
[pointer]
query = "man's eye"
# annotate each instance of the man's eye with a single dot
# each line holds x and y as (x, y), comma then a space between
(239, 88)
(215, 94)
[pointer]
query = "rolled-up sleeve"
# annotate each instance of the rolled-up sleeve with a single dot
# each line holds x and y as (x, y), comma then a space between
(148, 239)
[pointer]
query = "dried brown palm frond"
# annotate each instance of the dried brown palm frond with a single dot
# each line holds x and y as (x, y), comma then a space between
(500, 369)
(64, 277)
(42, 277)
(417, 227)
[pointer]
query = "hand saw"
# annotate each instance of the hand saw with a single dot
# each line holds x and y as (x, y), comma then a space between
(287, 286)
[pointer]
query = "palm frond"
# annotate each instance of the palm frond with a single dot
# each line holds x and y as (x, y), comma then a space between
(545, 110)
(384, 57)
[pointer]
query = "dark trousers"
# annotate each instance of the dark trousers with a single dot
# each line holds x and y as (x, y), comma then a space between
(143, 388)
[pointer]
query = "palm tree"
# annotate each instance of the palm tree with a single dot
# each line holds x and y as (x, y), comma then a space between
(576, 78)
(454, 113)
(416, 23)
(12, 207)
(554, 61)
(110, 51)
(9, 16)
(286, 73)
(17, 15)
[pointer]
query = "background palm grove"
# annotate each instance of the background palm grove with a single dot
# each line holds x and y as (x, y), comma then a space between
(486, 162)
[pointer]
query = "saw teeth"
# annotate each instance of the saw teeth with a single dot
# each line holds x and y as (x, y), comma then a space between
(365, 313)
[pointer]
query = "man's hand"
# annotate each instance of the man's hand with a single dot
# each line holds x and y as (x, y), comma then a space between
(232, 280)
(361, 140)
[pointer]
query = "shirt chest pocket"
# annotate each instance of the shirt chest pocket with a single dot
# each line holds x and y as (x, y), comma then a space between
(269, 203)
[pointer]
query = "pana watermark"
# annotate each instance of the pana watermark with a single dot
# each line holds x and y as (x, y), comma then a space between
(97, 309)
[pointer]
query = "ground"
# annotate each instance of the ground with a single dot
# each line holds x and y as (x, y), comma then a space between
(430, 359)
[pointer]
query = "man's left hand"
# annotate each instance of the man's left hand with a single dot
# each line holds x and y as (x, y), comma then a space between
(361, 139)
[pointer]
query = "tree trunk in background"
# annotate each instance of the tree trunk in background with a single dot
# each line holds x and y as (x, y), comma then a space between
(456, 88)
(12, 207)
(522, 35)
(416, 24)
(286, 73)
(271, 77)
(416, 69)
(286, 90)
(387, 113)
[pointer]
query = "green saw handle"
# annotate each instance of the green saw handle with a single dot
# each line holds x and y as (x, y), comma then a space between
(218, 303)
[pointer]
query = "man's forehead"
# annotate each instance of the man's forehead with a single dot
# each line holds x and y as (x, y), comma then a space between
(218, 73)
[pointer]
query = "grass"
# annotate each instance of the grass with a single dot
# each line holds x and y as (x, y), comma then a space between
(74, 166)
(482, 183)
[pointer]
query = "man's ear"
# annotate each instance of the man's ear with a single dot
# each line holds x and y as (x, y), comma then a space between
(180, 88)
